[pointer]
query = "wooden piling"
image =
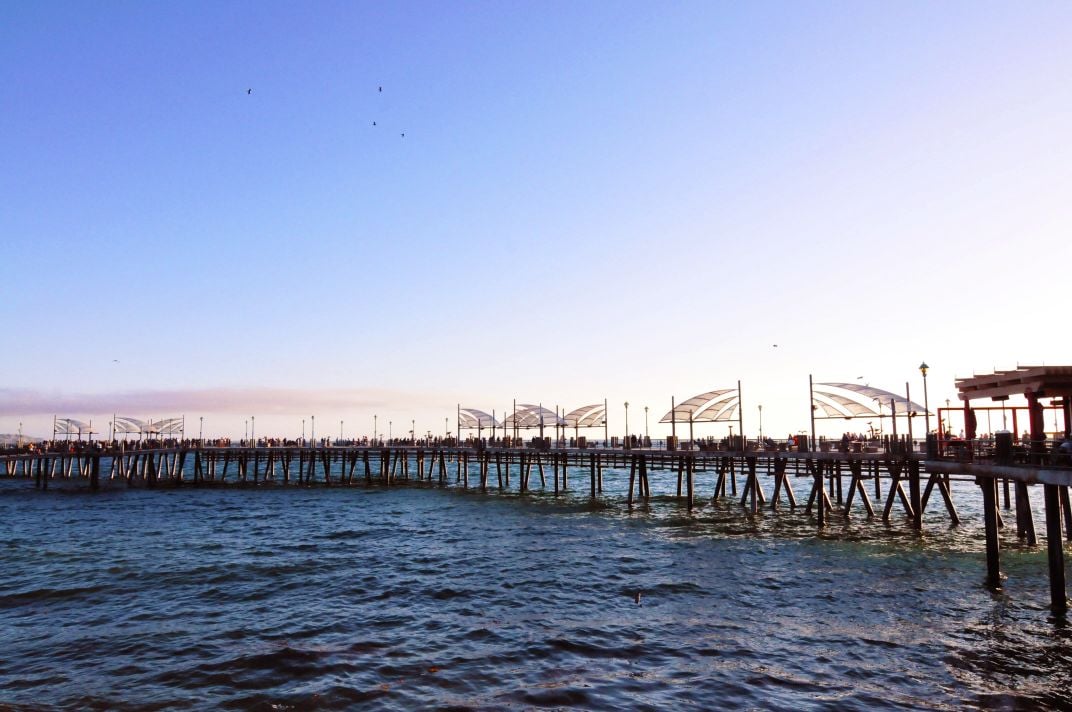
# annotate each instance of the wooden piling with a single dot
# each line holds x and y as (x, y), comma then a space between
(990, 521)
(1055, 550)
(1025, 522)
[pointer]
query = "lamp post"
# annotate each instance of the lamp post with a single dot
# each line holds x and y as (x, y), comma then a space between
(390, 425)
(246, 436)
(303, 432)
(946, 428)
(626, 443)
(926, 407)
(646, 434)
(761, 422)
(446, 427)
(413, 431)
(374, 417)
(312, 429)
(340, 432)
(200, 430)
(253, 429)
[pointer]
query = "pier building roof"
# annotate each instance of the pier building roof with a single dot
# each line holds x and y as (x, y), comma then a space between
(1040, 380)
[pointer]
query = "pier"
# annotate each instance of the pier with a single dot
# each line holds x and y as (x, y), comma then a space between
(895, 486)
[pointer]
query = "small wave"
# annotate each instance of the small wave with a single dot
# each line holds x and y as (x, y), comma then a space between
(446, 594)
(40, 595)
(343, 534)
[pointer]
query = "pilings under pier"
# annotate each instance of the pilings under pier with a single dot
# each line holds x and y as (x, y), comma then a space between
(393, 465)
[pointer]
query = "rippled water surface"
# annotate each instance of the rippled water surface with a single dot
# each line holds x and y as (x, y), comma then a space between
(429, 597)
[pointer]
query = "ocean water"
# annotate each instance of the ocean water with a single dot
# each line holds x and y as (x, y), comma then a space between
(432, 597)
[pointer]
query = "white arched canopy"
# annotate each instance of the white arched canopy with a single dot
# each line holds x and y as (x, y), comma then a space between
(70, 426)
(532, 416)
(165, 426)
(587, 416)
(471, 418)
(713, 406)
(852, 400)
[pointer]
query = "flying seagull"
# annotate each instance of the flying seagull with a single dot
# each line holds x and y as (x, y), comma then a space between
(381, 89)
(373, 123)
(249, 91)
(403, 135)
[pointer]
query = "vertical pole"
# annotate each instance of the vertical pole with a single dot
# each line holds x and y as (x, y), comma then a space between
(811, 410)
(893, 421)
(673, 421)
(1055, 549)
(740, 414)
(908, 400)
(606, 438)
(1038, 429)
(913, 493)
(990, 520)
(926, 407)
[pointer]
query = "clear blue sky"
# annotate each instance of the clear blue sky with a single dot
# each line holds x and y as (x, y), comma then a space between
(622, 200)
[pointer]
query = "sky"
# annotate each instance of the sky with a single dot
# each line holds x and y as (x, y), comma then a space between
(628, 201)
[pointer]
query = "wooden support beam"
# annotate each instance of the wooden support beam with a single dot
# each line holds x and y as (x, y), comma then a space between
(1055, 550)
(690, 470)
(632, 476)
(914, 495)
(1025, 521)
(592, 466)
(856, 485)
(1067, 509)
(990, 521)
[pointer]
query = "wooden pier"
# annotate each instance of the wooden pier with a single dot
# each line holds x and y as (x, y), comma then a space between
(838, 484)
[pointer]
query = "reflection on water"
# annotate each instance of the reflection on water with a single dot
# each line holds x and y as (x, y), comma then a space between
(422, 596)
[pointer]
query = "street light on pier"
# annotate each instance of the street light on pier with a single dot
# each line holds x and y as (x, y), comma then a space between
(646, 434)
(374, 418)
(390, 426)
(626, 443)
(253, 429)
(245, 438)
(200, 430)
(303, 431)
(926, 408)
(312, 429)
(761, 422)
(340, 431)
(413, 431)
